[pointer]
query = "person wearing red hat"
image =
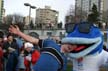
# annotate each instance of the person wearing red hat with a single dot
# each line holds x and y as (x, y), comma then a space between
(31, 56)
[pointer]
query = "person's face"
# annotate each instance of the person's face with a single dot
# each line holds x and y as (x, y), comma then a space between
(10, 38)
(28, 49)
(66, 48)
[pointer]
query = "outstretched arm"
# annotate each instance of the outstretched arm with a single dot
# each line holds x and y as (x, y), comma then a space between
(15, 30)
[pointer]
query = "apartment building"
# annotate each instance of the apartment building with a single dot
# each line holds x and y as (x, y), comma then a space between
(1, 9)
(86, 6)
(46, 17)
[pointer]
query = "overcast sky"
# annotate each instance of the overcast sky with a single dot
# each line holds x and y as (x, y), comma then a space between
(17, 6)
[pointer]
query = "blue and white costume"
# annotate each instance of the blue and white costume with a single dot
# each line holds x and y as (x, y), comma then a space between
(93, 55)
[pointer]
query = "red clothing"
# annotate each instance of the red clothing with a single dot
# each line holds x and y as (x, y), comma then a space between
(27, 64)
(1, 53)
(34, 58)
(1, 59)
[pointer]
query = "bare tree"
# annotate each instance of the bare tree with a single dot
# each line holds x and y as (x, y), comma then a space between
(14, 18)
(105, 17)
(9, 19)
(70, 14)
(74, 13)
(71, 10)
(18, 18)
(81, 13)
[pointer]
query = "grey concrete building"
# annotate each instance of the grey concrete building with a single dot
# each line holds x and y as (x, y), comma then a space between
(1, 9)
(86, 5)
(46, 17)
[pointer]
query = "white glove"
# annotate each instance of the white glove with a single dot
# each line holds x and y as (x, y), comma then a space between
(11, 49)
(4, 51)
(28, 58)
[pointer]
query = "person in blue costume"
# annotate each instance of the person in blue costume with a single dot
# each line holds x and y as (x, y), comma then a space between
(84, 44)
(51, 58)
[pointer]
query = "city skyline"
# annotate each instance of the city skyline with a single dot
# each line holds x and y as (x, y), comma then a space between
(17, 6)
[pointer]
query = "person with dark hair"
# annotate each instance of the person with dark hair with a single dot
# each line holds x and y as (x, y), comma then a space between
(1, 59)
(12, 52)
(1, 50)
(31, 56)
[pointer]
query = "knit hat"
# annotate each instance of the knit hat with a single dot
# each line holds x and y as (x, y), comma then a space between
(28, 45)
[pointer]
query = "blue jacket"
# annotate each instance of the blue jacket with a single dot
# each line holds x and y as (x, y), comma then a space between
(12, 61)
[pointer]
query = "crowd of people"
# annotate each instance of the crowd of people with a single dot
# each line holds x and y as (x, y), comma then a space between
(15, 54)
(82, 44)
(20, 52)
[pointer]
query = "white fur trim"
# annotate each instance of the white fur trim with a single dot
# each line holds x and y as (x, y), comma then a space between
(28, 45)
(28, 58)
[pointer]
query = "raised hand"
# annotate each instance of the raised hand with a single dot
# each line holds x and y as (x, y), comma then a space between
(14, 29)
